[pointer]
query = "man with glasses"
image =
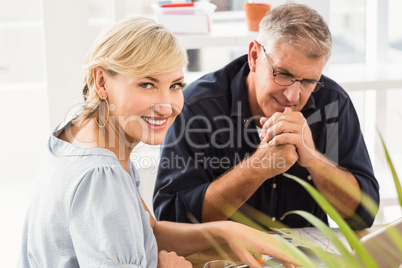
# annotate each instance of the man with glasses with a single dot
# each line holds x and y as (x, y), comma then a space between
(265, 114)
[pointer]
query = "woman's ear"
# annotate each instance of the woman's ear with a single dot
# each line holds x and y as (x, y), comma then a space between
(100, 80)
(253, 52)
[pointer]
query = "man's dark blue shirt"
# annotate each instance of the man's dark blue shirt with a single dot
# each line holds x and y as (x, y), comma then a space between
(216, 131)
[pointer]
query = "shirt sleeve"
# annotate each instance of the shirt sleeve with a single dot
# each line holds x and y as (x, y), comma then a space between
(353, 156)
(183, 176)
(105, 220)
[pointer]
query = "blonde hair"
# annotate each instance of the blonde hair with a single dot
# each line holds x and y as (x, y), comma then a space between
(136, 47)
(297, 26)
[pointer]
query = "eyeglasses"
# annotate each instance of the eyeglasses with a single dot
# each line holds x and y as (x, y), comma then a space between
(283, 79)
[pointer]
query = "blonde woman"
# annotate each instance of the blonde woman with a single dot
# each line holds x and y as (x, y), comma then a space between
(87, 210)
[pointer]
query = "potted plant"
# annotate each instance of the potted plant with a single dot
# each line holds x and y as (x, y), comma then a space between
(254, 13)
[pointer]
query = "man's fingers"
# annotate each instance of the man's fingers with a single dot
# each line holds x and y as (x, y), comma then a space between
(287, 110)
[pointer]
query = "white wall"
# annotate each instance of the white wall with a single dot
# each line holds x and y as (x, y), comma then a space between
(66, 39)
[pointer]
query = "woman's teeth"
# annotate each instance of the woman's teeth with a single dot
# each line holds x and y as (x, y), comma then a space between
(154, 122)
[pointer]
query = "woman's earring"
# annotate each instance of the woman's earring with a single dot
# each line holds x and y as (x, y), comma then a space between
(107, 114)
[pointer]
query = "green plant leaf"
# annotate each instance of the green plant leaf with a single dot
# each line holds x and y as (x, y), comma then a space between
(394, 175)
(295, 252)
(368, 203)
(256, 216)
(349, 260)
(243, 219)
(314, 251)
(292, 250)
(396, 238)
(343, 226)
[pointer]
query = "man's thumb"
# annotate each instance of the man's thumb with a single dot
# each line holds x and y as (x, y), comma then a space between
(287, 110)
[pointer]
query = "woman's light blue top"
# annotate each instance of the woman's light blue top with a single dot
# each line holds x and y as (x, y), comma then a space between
(86, 212)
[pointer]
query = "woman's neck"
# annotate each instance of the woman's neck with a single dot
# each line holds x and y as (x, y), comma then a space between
(90, 135)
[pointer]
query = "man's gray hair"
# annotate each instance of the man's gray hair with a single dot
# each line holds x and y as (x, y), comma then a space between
(297, 26)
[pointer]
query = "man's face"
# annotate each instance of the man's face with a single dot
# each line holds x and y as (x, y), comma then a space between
(269, 97)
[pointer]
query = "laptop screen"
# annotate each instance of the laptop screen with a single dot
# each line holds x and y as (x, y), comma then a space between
(385, 245)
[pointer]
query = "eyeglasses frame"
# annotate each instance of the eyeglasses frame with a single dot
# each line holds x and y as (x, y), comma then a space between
(319, 84)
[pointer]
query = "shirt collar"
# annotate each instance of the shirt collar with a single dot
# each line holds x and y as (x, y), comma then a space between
(62, 148)
(310, 104)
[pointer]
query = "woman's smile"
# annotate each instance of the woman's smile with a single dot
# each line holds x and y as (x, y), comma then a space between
(156, 123)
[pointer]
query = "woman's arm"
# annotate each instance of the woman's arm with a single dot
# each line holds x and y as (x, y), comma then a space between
(185, 239)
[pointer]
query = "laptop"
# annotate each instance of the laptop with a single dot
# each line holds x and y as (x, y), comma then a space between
(385, 245)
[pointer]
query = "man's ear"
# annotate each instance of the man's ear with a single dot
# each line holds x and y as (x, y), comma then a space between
(254, 50)
(100, 80)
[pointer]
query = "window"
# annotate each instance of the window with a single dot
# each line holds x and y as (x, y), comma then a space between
(394, 31)
(21, 48)
(347, 24)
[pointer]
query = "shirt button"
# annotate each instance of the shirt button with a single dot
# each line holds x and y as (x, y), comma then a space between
(274, 185)
(273, 219)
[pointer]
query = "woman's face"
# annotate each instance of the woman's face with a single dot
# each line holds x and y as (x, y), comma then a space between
(145, 108)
